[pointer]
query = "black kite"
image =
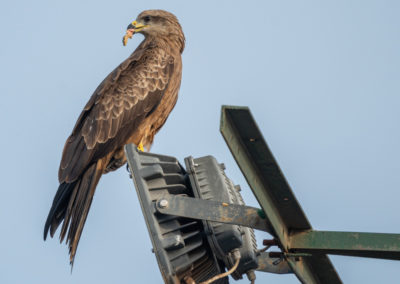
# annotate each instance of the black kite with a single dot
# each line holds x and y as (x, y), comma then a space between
(129, 106)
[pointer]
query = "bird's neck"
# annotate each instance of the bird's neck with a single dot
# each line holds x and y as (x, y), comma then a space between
(172, 42)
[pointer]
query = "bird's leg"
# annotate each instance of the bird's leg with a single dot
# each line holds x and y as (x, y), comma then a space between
(140, 147)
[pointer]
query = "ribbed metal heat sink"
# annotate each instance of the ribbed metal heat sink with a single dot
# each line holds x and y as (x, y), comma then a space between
(209, 182)
(179, 243)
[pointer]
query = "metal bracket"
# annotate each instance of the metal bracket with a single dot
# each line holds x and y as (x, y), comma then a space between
(222, 212)
(272, 191)
(375, 245)
(270, 264)
(289, 223)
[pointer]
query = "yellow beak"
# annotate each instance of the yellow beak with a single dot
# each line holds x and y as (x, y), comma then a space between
(137, 27)
(132, 28)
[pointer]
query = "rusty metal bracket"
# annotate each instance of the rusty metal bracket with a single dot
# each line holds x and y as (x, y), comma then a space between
(270, 264)
(222, 212)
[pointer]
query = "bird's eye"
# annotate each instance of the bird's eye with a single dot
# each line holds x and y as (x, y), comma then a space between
(146, 19)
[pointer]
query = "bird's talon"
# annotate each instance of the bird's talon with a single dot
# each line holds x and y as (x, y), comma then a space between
(140, 147)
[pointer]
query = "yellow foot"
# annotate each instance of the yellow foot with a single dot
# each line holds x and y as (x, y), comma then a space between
(140, 147)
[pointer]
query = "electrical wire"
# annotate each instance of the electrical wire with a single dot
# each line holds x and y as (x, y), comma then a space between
(222, 275)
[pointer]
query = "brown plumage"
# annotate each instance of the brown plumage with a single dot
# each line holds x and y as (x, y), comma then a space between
(129, 106)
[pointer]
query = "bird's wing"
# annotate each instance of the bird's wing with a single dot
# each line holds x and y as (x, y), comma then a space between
(117, 107)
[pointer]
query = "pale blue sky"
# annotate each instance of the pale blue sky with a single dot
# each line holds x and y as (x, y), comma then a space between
(321, 78)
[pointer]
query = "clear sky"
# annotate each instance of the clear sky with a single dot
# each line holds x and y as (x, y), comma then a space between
(321, 78)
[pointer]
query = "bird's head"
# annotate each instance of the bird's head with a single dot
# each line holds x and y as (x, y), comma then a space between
(155, 23)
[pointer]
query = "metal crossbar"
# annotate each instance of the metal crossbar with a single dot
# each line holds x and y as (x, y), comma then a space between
(288, 222)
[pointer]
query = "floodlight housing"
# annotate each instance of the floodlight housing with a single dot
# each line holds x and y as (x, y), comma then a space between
(190, 249)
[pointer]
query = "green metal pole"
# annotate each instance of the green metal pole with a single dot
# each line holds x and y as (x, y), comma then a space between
(376, 245)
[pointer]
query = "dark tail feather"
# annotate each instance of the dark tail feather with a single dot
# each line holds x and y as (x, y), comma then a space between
(57, 211)
(71, 205)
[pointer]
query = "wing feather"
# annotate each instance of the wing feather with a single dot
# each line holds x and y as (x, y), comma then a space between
(116, 109)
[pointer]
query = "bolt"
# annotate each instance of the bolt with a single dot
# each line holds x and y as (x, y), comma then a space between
(163, 203)
(276, 262)
(178, 240)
